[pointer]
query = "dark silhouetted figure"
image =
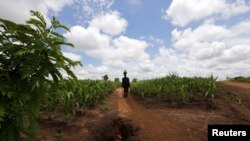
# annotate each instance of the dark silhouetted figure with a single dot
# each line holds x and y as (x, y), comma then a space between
(125, 84)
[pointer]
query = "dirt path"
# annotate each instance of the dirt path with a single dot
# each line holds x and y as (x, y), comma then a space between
(178, 124)
(237, 84)
(155, 123)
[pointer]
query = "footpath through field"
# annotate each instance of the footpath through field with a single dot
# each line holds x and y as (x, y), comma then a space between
(179, 124)
(156, 124)
(237, 84)
(153, 125)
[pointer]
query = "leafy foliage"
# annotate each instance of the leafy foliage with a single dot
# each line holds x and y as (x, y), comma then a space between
(134, 80)
(105, 77)
(241, 79)
(29, 54)
(117, 80)
(76, 95)
(177, 89)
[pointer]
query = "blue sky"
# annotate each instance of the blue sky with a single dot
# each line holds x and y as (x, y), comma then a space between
(143, 16)
(149, 38)
(140, 16)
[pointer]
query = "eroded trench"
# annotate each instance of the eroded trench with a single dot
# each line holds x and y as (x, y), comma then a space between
(116, 129)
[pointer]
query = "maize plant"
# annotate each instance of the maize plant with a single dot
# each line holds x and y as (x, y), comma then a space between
(176, 89)
(71, 95)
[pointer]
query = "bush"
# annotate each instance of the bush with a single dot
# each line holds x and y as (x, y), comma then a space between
(30, 53)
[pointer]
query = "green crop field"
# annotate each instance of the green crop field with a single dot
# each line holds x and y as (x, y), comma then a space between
(176, 89)
(71, 95)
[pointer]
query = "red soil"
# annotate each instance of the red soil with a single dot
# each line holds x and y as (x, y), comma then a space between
(149, 122)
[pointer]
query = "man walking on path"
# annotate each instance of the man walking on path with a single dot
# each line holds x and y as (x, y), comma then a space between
(125, 84)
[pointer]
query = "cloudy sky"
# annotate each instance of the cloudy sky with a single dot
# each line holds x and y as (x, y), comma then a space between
(149, 38)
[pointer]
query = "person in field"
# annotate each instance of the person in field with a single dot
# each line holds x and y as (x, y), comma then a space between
(125, 84)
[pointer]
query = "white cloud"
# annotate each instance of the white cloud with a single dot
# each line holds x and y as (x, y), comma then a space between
(209, 48)
(201, 51)
(111, 23)
(242, 29)
(153, 41)
(85, 10)
(167, 61)
(239, 52)
(87, 39)
(214, 48)
(147, 66)
(72, 56)
(182, 12)
(130, 49)
(97, 70)
(19, 11)
(89, 72)
(204, 42)
(208, 41)
(235, 8)
(91, 7)
(113, 52)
